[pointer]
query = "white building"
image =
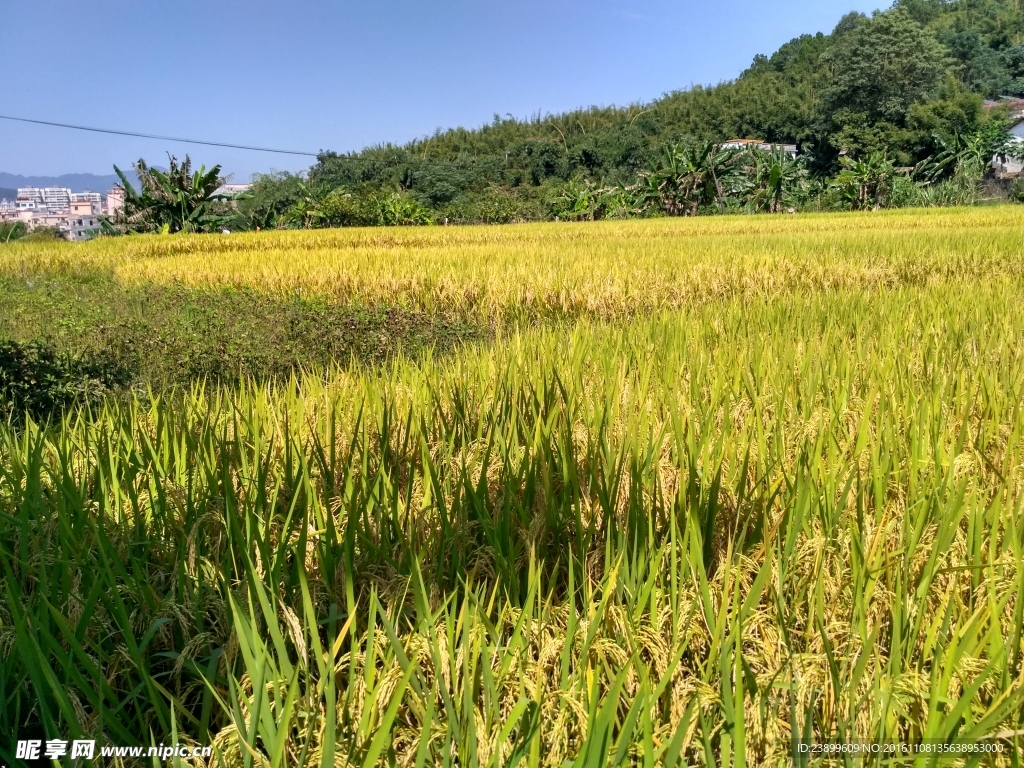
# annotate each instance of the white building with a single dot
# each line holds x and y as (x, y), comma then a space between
(1012, 166)
(87, 197)
(230, 190)
(766, 146)
(48, 199)
(74, 227)
(115, 199)
(57, 199)
(29, 199)
(77, 216)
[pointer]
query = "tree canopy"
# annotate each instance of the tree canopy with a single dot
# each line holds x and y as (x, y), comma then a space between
(903, 84)
(881, 67)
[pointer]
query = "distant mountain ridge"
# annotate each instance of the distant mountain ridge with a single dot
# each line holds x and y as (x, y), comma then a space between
(76, 182)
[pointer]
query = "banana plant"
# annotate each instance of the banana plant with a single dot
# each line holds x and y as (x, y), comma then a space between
(178, 200)
(579, 199)
(865, 183)
(308, 211)
(777, 176)
(689, 177)
(394, 209)
(968, 157)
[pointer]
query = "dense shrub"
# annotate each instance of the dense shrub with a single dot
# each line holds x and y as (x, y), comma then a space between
(1017, 190)
(35, 379)
(12, 230)
(71, 332)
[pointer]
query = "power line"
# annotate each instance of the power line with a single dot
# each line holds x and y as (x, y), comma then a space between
(161, 138)
(415, 162)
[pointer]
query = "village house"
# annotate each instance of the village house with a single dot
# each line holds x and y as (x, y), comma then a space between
(1005, 167)
(789, 149)
(79, 215)
(115, 199)
(1012, 166)
(81, 227)
(85, 208)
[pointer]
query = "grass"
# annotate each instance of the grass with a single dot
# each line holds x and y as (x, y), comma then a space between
(679, 532)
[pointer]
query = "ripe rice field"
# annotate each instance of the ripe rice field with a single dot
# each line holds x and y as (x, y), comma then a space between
(606, 270)
(700, 491)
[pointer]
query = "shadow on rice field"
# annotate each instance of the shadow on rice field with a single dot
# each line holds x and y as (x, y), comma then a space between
(65, 339)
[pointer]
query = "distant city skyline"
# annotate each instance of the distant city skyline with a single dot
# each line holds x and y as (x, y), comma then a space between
(341, 76)
(78, 215)
(77, 182)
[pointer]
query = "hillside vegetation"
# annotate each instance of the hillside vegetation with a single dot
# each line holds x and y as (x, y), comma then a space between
(908, 83)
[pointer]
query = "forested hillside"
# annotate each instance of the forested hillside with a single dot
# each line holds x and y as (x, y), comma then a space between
(904, 86)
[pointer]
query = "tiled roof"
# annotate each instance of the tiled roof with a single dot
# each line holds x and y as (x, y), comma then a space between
(1012, 103)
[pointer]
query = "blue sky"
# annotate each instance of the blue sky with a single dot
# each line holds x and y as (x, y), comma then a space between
(312, 75)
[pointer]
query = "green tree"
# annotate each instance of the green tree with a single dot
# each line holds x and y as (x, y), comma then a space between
(966, 158)
(18, 230)
(267, 200)
(954, 111)
(498, 204)
(12, 230)
(1013, 60)
(368, 207)
(981, 68)
(45, 234)
(879, 68)
(309, 210)
(393, 209)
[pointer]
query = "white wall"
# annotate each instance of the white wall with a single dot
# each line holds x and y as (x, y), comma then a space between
(1012, 164)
